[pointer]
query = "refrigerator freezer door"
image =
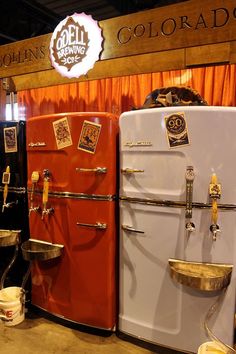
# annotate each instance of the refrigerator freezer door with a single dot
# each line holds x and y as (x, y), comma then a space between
(78, 148)
(211, 147)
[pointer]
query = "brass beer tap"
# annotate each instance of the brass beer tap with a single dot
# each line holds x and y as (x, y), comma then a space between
(214, 193)
(5, 181)
(46, 179)
(34, 180)
(189, 176)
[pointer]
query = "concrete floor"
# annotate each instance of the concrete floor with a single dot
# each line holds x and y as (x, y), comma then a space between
(38, 335)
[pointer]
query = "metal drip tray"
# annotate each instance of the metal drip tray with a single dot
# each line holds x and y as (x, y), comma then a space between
(9, 237)
(202, 276)
(40, 250)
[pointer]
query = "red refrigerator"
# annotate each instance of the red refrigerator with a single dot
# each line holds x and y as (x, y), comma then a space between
(72, 186)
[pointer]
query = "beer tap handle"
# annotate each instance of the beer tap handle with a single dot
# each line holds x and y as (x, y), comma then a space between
(34, 180)
(214, 194)
(46, 179)
(214, 211)
(5, 181)
(189, 176)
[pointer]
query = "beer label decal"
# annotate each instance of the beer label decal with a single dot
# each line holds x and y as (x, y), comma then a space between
(215, 190)
(176, 130)
(75, 45)
(6, 177)
(89, 136)
(62, 133)
(10, 139)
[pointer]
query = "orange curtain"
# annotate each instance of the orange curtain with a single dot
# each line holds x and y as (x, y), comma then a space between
(216, 84)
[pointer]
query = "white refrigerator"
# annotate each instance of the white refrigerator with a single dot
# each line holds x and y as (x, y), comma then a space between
(177, 201)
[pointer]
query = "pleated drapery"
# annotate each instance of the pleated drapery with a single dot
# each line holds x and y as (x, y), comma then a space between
(216, 84)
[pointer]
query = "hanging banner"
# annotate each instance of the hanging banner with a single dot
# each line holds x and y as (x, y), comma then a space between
(75, 45)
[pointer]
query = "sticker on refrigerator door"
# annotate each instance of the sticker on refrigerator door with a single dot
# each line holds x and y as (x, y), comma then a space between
(176, 130)
(89, 136)
(6, 178)
(10, 139)
(62, 133)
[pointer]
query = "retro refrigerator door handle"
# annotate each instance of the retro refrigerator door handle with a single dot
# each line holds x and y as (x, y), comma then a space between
(131, 170)
(131, 229)
(96, 169)
(97, 225)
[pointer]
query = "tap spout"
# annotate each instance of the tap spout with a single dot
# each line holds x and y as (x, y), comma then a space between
(10, 204)
(47, 212)
(190, 226)
(36, 209)
(215, 229)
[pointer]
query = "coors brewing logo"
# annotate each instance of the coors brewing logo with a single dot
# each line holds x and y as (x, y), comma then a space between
(75, 45)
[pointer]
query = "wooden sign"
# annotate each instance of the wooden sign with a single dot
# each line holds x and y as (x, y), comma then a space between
(182, 25)
(25, 56)
(172, 27)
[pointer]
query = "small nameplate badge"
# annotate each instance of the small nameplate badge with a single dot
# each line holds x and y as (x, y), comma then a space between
(138, 143)
(37, 144)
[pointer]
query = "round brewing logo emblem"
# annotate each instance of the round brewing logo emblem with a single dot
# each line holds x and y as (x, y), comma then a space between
(175, 124)
(75, 45)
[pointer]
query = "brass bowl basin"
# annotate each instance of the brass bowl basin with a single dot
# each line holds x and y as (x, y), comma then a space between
(202, 276)
(40, 250)
(9, 237)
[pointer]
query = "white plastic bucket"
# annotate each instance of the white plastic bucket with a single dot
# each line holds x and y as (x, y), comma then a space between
(210, 348)
(12, 307)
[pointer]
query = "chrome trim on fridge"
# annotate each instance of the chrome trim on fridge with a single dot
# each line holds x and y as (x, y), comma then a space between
(17, 190)
(57, 194)
(175, 204)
